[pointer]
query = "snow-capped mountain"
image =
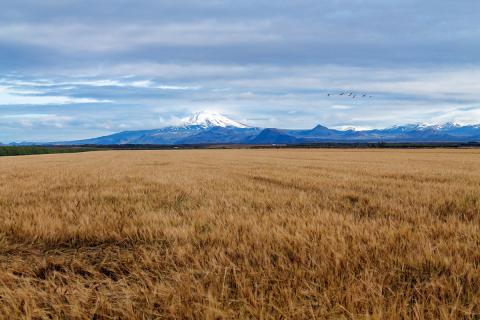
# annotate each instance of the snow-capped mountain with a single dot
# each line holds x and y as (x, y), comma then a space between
(451, 129)
(198, 128)
(214, 128)
(207, 119)
(427, 126)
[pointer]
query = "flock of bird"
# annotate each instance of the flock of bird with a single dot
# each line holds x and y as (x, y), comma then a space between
(351, 94)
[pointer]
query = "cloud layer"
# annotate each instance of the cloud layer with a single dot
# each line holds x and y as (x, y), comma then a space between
(75, 69)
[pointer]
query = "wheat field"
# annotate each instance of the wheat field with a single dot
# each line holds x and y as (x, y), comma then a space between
(241, 234)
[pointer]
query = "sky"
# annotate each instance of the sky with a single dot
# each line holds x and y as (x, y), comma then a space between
(72, 69)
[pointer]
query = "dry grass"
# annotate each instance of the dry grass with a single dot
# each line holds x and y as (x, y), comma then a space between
(259, 234)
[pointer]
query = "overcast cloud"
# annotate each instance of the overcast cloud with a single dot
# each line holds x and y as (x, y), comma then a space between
(75, 69)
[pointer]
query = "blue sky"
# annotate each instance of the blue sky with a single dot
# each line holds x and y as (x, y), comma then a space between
(76, 69)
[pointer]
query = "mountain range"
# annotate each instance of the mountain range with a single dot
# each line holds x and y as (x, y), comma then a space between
(214, 128)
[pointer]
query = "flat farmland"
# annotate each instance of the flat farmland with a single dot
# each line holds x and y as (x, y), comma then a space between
(241, 234)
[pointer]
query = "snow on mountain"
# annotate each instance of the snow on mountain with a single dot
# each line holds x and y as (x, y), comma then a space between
(207, 119)
(456, 125)
(409, 127)
(430, 126)
(352, 128)
(448, 125)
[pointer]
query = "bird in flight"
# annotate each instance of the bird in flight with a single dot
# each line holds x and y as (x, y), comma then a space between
(351, 94)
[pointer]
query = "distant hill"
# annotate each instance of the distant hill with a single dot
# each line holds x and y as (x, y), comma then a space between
(276, 136)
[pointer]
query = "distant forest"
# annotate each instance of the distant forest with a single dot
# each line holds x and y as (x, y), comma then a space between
(29, 150)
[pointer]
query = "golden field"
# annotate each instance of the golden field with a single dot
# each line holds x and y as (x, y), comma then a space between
(241, 234)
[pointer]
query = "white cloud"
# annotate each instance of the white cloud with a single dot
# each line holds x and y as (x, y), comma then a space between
(10, 96)
(340, 107)
(35, 120)
(103, 38)
(146, 84)
(460, 116)
(446, 82)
